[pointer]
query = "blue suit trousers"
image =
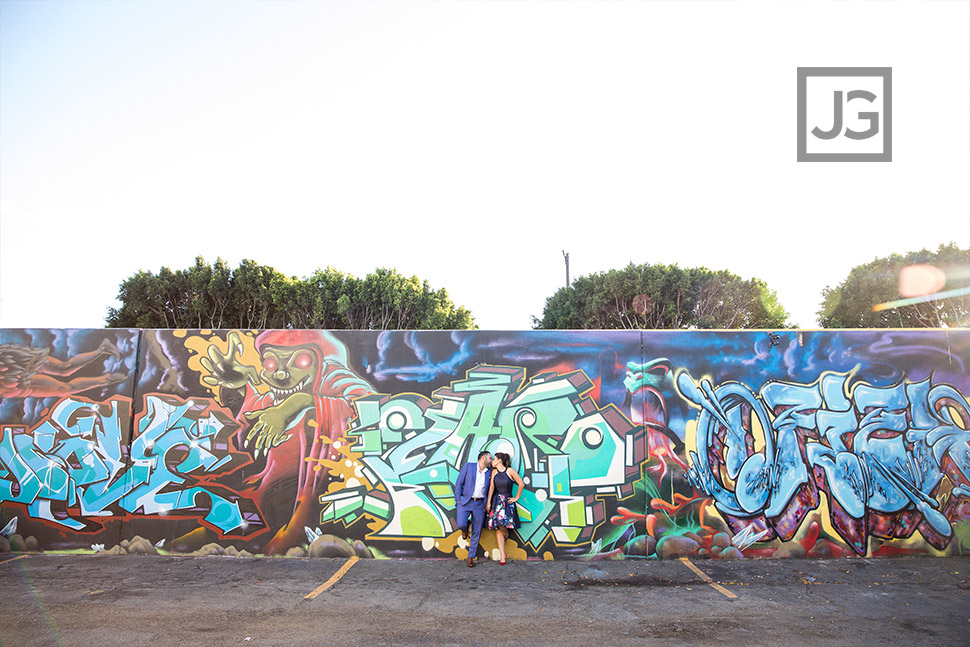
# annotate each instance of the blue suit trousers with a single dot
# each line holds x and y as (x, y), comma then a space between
(476, 510)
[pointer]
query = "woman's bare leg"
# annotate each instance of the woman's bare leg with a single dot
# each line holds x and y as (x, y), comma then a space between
(500, 535)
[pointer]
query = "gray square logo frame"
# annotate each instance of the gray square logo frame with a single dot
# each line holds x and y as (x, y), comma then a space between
(886, 73)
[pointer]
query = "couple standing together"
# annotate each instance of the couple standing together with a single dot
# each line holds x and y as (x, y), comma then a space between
(484, 493)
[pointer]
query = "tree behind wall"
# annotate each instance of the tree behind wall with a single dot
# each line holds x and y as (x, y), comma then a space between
(663, 296)
(850, 304)
(258, 296)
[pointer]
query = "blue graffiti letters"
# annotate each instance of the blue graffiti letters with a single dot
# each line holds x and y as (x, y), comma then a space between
(73, 467)
(892, 459)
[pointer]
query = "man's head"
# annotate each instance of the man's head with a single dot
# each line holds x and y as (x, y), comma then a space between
(502, 458)
(484, 459)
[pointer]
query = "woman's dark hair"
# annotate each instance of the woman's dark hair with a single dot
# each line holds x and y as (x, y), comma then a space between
(505, 458)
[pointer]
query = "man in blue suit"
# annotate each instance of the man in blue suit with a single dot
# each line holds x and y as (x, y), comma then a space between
(470, 492)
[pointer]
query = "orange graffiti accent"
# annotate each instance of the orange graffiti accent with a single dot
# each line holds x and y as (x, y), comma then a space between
(345, 468)
(321, 463)
(680, 502)
(626, 517)
(704, 516)
(652, 525)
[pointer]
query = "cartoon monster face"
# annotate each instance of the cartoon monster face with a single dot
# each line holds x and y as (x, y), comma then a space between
(288, 369)
(644, 383)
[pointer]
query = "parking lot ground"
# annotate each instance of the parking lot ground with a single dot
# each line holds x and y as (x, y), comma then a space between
(108, 601)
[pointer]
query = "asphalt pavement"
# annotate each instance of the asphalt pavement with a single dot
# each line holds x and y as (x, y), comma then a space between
(108, 601)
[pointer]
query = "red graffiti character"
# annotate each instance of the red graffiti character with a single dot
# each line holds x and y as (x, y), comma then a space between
(291, 425)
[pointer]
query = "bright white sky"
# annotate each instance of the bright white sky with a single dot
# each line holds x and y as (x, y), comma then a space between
(466, 142)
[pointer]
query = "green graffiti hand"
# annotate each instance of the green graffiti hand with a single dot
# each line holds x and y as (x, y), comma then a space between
(268, 430)
(226, 370)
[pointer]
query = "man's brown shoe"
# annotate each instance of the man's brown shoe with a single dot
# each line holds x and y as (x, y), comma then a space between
(471, 562)
(464, 533)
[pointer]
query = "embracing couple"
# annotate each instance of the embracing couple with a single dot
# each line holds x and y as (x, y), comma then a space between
(484, 495)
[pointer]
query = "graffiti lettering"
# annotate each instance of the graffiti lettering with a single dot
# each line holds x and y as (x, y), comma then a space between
(881, 454)
(312, 442)
(73, 467)
(566, 448)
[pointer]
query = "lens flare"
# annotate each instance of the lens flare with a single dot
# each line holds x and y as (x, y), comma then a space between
(889, 305)
(920, 280)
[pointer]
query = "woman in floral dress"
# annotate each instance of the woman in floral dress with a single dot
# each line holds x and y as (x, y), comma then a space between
(500, 503)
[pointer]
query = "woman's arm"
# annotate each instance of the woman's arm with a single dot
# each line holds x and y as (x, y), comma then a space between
(491, 489)
(517, 479)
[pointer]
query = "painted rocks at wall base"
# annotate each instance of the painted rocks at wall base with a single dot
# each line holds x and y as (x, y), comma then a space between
(331, 546)
(673, 546)
(642, 546)
(790, 549)
(140, 546)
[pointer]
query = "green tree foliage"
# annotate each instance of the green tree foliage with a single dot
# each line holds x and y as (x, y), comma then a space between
(663, 296)
(258, 296)
(850, 304)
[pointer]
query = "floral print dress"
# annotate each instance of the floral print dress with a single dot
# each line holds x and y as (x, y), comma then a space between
(503, 513)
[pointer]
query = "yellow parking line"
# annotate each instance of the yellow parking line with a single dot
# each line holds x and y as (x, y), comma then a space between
(704, 576)
(14, 559)
(333, 580)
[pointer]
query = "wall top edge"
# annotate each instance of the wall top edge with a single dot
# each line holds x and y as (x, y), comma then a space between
(529, 330)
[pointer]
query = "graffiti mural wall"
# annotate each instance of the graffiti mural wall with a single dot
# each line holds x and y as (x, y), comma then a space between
(632, 444)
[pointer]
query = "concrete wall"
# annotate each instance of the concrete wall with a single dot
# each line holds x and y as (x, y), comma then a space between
(632, 444)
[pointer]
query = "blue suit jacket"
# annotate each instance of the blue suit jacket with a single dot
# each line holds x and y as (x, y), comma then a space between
(466, 482)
